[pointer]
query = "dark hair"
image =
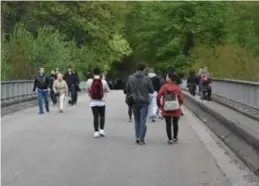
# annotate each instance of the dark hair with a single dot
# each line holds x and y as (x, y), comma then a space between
(69, 67)
(173, 76)
(141, 66)
(192, 73)
(97, 71)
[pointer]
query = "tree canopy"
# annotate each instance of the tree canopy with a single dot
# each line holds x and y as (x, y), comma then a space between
(117, 35)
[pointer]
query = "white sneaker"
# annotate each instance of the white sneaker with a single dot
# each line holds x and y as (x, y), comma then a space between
(102, 133)
(96, 135)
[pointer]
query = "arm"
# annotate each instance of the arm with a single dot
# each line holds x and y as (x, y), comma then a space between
(159, 96)
(66, 87)
(35, 85)
(54, 87)
(106, 87)
(180, 96)
(88, 85)
(48, 82)
(150, 86)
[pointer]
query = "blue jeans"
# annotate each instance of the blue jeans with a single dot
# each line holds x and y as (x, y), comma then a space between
(140, 113)
(43, 94)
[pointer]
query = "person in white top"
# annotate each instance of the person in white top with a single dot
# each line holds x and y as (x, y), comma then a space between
(97, 87)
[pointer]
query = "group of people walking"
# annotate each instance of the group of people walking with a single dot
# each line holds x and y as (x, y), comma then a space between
(202, 80)
(58, 86)
(146, 94)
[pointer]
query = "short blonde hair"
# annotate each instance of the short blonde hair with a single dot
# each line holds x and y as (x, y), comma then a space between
(60, 75)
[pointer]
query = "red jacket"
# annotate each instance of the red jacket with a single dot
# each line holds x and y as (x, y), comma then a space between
(170, 87)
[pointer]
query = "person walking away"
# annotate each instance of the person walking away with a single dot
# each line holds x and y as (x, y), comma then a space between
(130, 105)
(97, 87)
(156, 82)
(172, 99)
(192, 82)
(41, 83)
(52, 78)
(60, 89)
(71, 81)
(139, 87)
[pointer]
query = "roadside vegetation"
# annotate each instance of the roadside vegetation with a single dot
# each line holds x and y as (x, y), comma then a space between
(116, 35)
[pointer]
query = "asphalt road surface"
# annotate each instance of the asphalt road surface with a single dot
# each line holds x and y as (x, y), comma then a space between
(59, 150)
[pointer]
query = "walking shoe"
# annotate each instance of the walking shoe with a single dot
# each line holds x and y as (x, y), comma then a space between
(175, 140)
(47, 109)
(137, 141)
(96, 135)
(142, 143)
(61, 111)
(102, 133)
(153, 120)
(170, 141)
(130, 120)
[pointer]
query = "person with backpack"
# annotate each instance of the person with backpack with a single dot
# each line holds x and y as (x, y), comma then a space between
(171, 97)
(96, 88)
(139, 87)
(42, 84)
(156, 82)
(60, 89)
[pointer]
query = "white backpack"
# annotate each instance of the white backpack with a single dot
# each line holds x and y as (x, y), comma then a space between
(171, 102)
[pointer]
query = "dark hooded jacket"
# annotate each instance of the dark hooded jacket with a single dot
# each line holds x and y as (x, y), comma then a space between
(140, 86)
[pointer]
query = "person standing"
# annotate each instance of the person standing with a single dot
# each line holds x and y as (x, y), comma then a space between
(77, 87)
(52, 78)
(192, 82)
(60, 89)
(156, 82)
(139, 87)
(41, 83)
(72, 82)
(97, 87)
(172, 99)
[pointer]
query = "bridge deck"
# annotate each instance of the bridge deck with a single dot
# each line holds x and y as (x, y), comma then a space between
(59, 149)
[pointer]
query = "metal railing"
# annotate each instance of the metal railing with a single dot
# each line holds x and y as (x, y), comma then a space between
(17, 91)
(244, 92)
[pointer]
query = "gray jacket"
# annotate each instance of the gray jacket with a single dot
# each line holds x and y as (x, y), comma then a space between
(140, 86)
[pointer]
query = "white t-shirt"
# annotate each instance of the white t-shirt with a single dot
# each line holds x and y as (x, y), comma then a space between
(106, 89)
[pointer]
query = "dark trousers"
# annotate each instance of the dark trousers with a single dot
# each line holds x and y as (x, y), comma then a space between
(43, 95)
(168, 121)
(73, 94)
(53, 97)
(130, 111)
(99, 117)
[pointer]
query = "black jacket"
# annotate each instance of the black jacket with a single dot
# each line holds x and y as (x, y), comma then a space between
(192, 81)
(41, 82)
(71, 79)
(52, 78)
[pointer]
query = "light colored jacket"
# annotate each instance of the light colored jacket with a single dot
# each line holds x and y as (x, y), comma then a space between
(60, 87)
(105, 87)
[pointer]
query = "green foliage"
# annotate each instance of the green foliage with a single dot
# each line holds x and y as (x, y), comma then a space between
(115, 35)
(57, 34)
